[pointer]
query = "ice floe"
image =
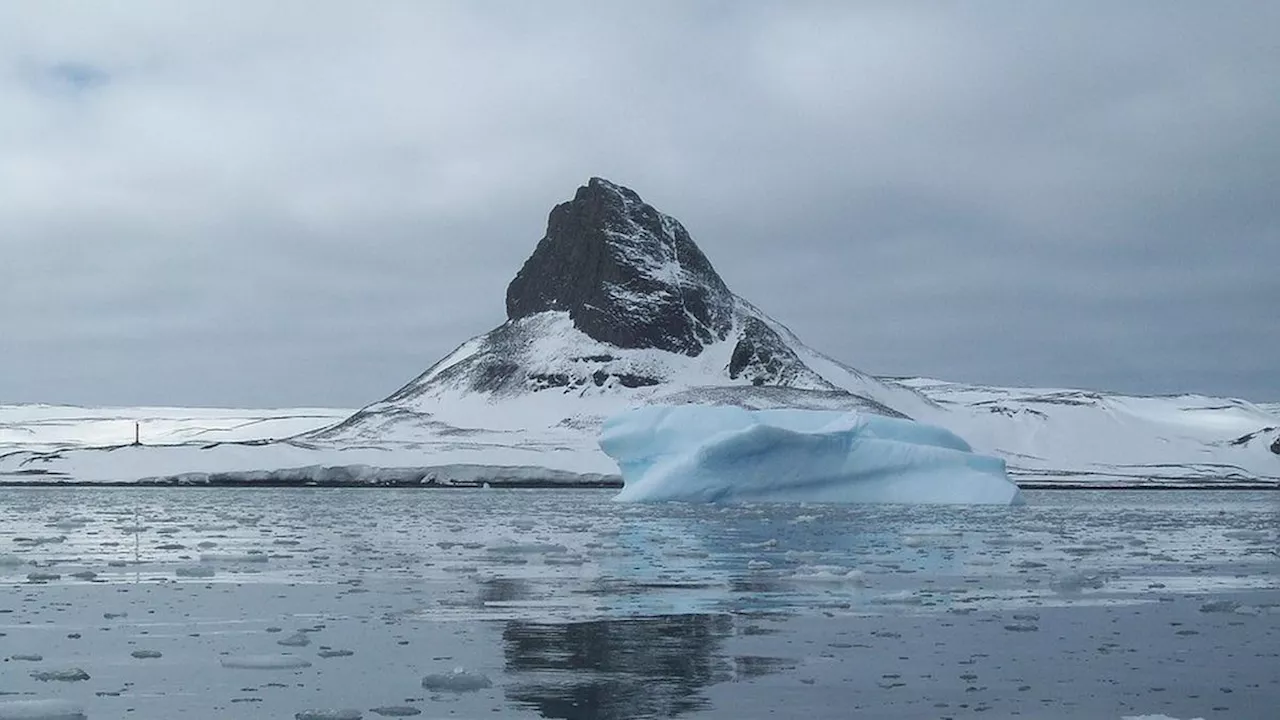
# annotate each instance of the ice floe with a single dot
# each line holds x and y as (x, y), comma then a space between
(40, 710)
(459, 680)
(264, 662)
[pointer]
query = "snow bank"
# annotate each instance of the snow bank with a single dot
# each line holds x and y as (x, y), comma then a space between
(717, 454)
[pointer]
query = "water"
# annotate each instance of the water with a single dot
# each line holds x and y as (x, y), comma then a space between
(256, 603)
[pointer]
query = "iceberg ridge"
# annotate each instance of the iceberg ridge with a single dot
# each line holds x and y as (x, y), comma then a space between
(723, 454)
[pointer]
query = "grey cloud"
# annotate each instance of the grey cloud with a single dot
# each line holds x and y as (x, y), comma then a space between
(308, 203)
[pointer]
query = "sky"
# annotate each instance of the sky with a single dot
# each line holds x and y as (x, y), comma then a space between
(308, 202)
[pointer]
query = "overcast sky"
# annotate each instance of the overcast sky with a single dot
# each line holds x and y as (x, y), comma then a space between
(308, 203)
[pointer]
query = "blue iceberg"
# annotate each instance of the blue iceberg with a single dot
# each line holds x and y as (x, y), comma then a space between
(701, 453)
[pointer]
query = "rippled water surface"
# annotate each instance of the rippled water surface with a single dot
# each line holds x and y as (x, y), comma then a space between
(273, 603)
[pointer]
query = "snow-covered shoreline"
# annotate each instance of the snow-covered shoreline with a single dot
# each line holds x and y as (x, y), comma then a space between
(62, 445)
(647, 321)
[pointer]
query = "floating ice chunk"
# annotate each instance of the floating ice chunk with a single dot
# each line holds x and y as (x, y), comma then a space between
(11, 561)
(60, 675)
(40, 710)
(1247, 535)
(327, 653)
(264, 662)
(251, 557)
(563, 560)
(458, 681)
(40, 577)
(295, 640)
(396, 711)
(195, 571)
(146, 654)
(724, 454)
(937, 539)
(328, 715)
(67, 524)
(214, 528)
(901, 597)
(43, 540)
(27, 657)
(1077, 582)
(829, 574)
(510, 547)
(1220, 606)
(691, 554)
(802, 556)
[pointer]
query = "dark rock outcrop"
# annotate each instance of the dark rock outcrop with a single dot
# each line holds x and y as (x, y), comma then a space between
(762, 357)
(627, 275)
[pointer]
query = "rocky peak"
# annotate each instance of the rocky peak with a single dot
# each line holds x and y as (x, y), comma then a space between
(627, 275)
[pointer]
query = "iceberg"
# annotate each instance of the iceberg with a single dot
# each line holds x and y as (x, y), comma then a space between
(702, 453)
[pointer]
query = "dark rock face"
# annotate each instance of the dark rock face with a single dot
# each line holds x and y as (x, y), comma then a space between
(628, 277)
(626, 274)
(1275, 446)
(763, 358)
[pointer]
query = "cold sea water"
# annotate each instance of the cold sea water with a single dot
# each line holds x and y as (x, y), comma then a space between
(345, 603)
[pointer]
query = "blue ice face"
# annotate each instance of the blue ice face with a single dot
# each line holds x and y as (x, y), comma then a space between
(722, 454)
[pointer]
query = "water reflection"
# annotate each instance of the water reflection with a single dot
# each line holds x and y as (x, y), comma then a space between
(623, 668)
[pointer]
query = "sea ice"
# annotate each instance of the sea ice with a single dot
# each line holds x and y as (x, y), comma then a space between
(828, 574)
(295, 640)
(264, 662)
(194, 571)
(251, 557)
(396, 711)
(459, 681)
(61, 675)
(722, 454)
(328, 715)
(40, 710)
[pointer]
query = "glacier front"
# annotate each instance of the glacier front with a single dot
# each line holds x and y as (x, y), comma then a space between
(702, 453)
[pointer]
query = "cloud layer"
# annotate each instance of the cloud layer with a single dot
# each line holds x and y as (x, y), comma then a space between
(299, 203)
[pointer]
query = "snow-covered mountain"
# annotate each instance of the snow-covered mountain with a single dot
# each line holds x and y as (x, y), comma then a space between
(618, 307)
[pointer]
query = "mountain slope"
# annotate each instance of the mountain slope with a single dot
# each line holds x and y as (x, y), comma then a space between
(615, 307)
